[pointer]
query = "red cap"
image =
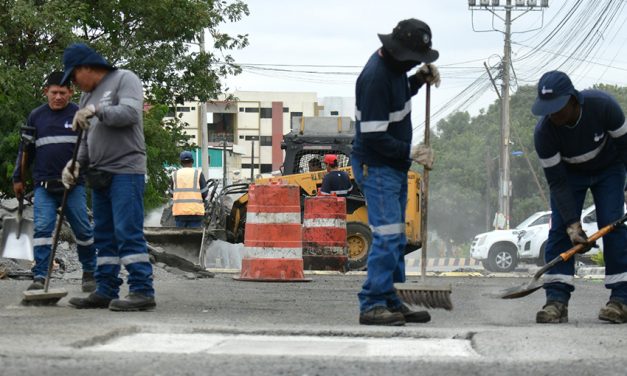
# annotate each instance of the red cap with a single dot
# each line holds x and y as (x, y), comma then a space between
(330, 159)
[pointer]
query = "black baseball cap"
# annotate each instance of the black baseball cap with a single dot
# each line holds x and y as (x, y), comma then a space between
(55, 78)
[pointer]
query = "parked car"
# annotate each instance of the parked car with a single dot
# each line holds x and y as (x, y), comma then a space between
(531, 242)
(498, 250)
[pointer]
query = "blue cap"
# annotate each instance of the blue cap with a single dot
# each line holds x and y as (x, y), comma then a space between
(554, 91)
(80, 54)
(186, 156)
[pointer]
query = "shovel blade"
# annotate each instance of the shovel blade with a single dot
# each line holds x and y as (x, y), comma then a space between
(521, 291)
(17, 239)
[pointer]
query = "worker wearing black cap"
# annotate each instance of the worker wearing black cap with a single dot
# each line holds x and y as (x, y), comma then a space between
(381, 157)
(189, 191)
(54, 142)
(581, 140)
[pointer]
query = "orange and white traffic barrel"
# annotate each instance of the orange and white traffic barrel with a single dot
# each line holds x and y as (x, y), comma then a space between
(324, 233)
(273, 235)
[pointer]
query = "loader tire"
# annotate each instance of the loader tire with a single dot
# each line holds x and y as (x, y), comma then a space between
(359, 240)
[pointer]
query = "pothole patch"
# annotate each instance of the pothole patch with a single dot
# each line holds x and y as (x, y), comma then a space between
(295, 346)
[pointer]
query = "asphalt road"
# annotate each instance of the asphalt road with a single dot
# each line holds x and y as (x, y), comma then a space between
(225, 327)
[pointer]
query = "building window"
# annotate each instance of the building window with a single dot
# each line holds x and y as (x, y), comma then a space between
(182, 109)
(251, 109)
(265, 113)
(335, 113)
(286, 109)
(292, 114)
(265, 140)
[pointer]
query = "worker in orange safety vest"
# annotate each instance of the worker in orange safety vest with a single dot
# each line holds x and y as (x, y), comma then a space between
(189, 190)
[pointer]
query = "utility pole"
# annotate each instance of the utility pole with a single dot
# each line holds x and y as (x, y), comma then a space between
(202, 126)
(505, 190)
(502, 218)
(224, 169)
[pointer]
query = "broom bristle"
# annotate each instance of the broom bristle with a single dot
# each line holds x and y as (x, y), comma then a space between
(429, 297)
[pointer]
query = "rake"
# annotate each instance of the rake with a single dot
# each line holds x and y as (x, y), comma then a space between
(422, 294)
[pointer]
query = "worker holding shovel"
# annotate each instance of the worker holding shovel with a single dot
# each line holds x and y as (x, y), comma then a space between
(381, 157)
(53, 145)
(581, 140)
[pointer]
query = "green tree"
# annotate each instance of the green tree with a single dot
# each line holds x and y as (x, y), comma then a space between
(155, 39)
(464, 193)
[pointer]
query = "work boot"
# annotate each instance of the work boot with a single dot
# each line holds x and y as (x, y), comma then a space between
(38, 284)
(381, 316)
(88, 283)
(614, 312)
(553, 312)
(412, 316)
(93, 300)
(133, 302)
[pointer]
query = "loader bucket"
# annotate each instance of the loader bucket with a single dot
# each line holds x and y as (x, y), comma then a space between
(185, 243)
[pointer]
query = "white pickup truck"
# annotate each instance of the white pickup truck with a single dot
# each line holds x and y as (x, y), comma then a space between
(531, 242)
(498, 250)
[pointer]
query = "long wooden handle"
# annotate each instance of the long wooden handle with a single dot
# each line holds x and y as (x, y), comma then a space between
(425, 192)
(61, 213)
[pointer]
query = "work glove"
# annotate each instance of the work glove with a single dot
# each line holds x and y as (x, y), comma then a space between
(430, 74)
(69, 177)
(578, 236)
(81, 118)
(422, 154)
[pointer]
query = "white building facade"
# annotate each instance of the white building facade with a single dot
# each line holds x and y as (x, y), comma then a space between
(253, 125)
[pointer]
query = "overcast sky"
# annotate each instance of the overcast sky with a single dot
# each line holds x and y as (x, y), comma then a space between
(339, 37)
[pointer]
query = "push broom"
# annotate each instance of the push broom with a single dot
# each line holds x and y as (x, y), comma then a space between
(423, 294)
(49, 296)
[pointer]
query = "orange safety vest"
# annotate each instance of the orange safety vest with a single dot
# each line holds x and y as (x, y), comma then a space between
(187, 199)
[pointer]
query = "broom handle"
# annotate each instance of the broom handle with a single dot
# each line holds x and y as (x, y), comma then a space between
(57, 229)
(425, 192)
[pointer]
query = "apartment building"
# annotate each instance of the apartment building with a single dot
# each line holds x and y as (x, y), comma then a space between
(252, 126)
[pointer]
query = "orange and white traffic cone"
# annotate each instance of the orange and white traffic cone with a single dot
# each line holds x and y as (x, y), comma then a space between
(324, 233)
(273, 235)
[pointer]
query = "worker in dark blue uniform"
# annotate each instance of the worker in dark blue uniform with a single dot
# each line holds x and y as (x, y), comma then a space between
(335, 182)
(54, 143)
(581, 140)
(381, 157)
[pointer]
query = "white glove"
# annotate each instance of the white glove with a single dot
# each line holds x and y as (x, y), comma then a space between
(81, 118)
(68, 177)
(422, 154)
(430, 74)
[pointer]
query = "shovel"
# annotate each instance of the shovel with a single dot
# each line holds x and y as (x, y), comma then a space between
(535, 284)
(17, 236)
(17, 232)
